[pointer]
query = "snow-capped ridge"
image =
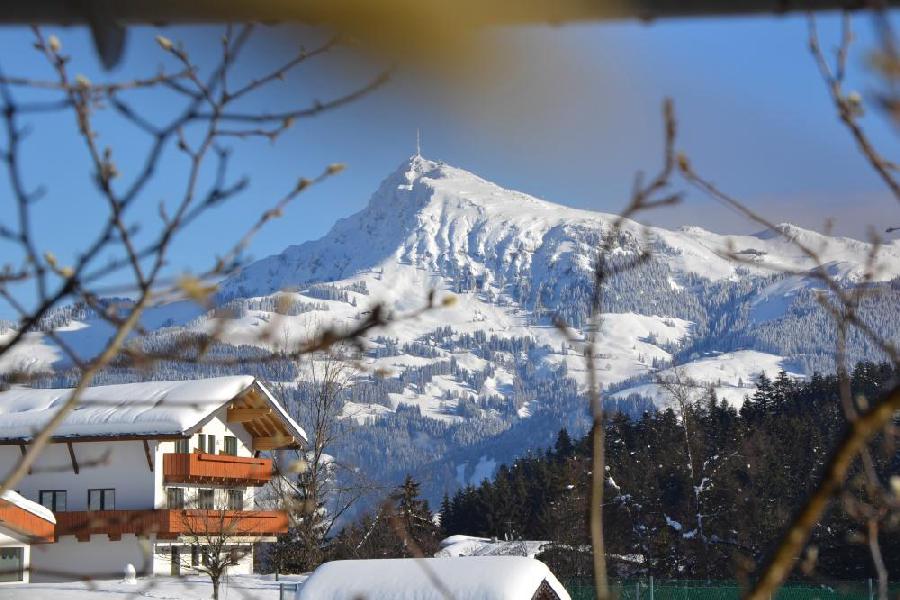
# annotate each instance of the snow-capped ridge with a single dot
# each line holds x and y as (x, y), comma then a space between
(447, 220)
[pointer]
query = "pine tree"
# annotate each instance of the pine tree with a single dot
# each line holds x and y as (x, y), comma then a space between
(413, 519)
(563, 447)
(446, 513)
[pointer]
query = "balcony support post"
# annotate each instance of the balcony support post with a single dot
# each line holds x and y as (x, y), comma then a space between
(72, 456)
(148, 455)
(23, 451)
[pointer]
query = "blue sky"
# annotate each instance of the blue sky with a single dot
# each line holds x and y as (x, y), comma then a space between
(564, 113)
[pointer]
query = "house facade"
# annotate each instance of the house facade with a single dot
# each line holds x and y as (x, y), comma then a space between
(150, 474)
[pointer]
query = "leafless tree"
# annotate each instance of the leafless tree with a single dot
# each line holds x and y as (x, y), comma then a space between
(645, 196)
(321, 488)
(215, 539)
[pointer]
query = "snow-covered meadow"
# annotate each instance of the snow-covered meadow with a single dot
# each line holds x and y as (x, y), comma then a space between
(237, 587)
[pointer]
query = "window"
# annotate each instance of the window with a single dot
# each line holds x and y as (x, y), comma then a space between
(235, 499)
(207, 443)
(102, 499)
(12, 564)
(175, 497)
(183, 446)
(55, 500)
(195, 555)
(231, 445)
(206, 499)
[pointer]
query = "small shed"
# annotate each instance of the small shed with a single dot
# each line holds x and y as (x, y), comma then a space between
(22, 523)
(463, 578)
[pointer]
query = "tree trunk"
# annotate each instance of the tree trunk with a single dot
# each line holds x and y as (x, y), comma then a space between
(215, 585)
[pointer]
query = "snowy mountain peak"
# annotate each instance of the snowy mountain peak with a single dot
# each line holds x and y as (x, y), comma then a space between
(451, 223)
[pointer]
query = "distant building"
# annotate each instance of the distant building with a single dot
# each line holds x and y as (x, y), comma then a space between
(464, 578)
(467, 545)
(138, 472)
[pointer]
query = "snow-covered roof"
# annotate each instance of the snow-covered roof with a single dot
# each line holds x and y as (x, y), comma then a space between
(130, 409)
(467, 578)
(467, 545)
(25, 504)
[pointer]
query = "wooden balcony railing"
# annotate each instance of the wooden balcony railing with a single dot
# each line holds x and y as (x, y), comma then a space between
(170, 523)
(25, 523)
(198, 467)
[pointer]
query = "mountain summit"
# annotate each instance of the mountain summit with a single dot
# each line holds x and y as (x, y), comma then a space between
(448, 220)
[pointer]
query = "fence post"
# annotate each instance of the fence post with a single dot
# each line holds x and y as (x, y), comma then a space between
(280, 591)
(637, 590)
(871, 591)
(651, 587)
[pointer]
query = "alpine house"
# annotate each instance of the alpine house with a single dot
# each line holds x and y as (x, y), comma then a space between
(143, 473)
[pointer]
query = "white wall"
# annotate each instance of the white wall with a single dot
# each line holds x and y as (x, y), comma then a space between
(10, 540)
(216, 426)
(118, 465)
(99, 558)
(162, 560)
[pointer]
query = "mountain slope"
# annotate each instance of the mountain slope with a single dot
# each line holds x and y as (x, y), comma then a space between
(469, 385)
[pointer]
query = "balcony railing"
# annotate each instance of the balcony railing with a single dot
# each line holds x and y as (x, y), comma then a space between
(198, 467)
(25, 523)
(170, 523)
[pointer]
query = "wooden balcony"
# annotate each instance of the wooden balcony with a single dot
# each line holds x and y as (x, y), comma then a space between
(171, 523)
(198, 467)
(25, 523)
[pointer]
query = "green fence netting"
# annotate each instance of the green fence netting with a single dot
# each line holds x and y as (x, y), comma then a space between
(583, 589)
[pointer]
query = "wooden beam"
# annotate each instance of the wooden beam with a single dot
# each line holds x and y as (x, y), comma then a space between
(242, 415)
(265, 425)
(148, 455)
(253, 430)
(72, 456)
(276, 426)
(24, 452)
(273, 442)
(18, 441)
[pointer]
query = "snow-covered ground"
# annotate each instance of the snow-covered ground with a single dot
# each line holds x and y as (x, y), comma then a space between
(732, 375)
(237, 587)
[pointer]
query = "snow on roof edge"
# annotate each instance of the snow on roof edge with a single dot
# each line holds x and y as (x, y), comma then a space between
(288, 420)
(31, 506)
(133, 410)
